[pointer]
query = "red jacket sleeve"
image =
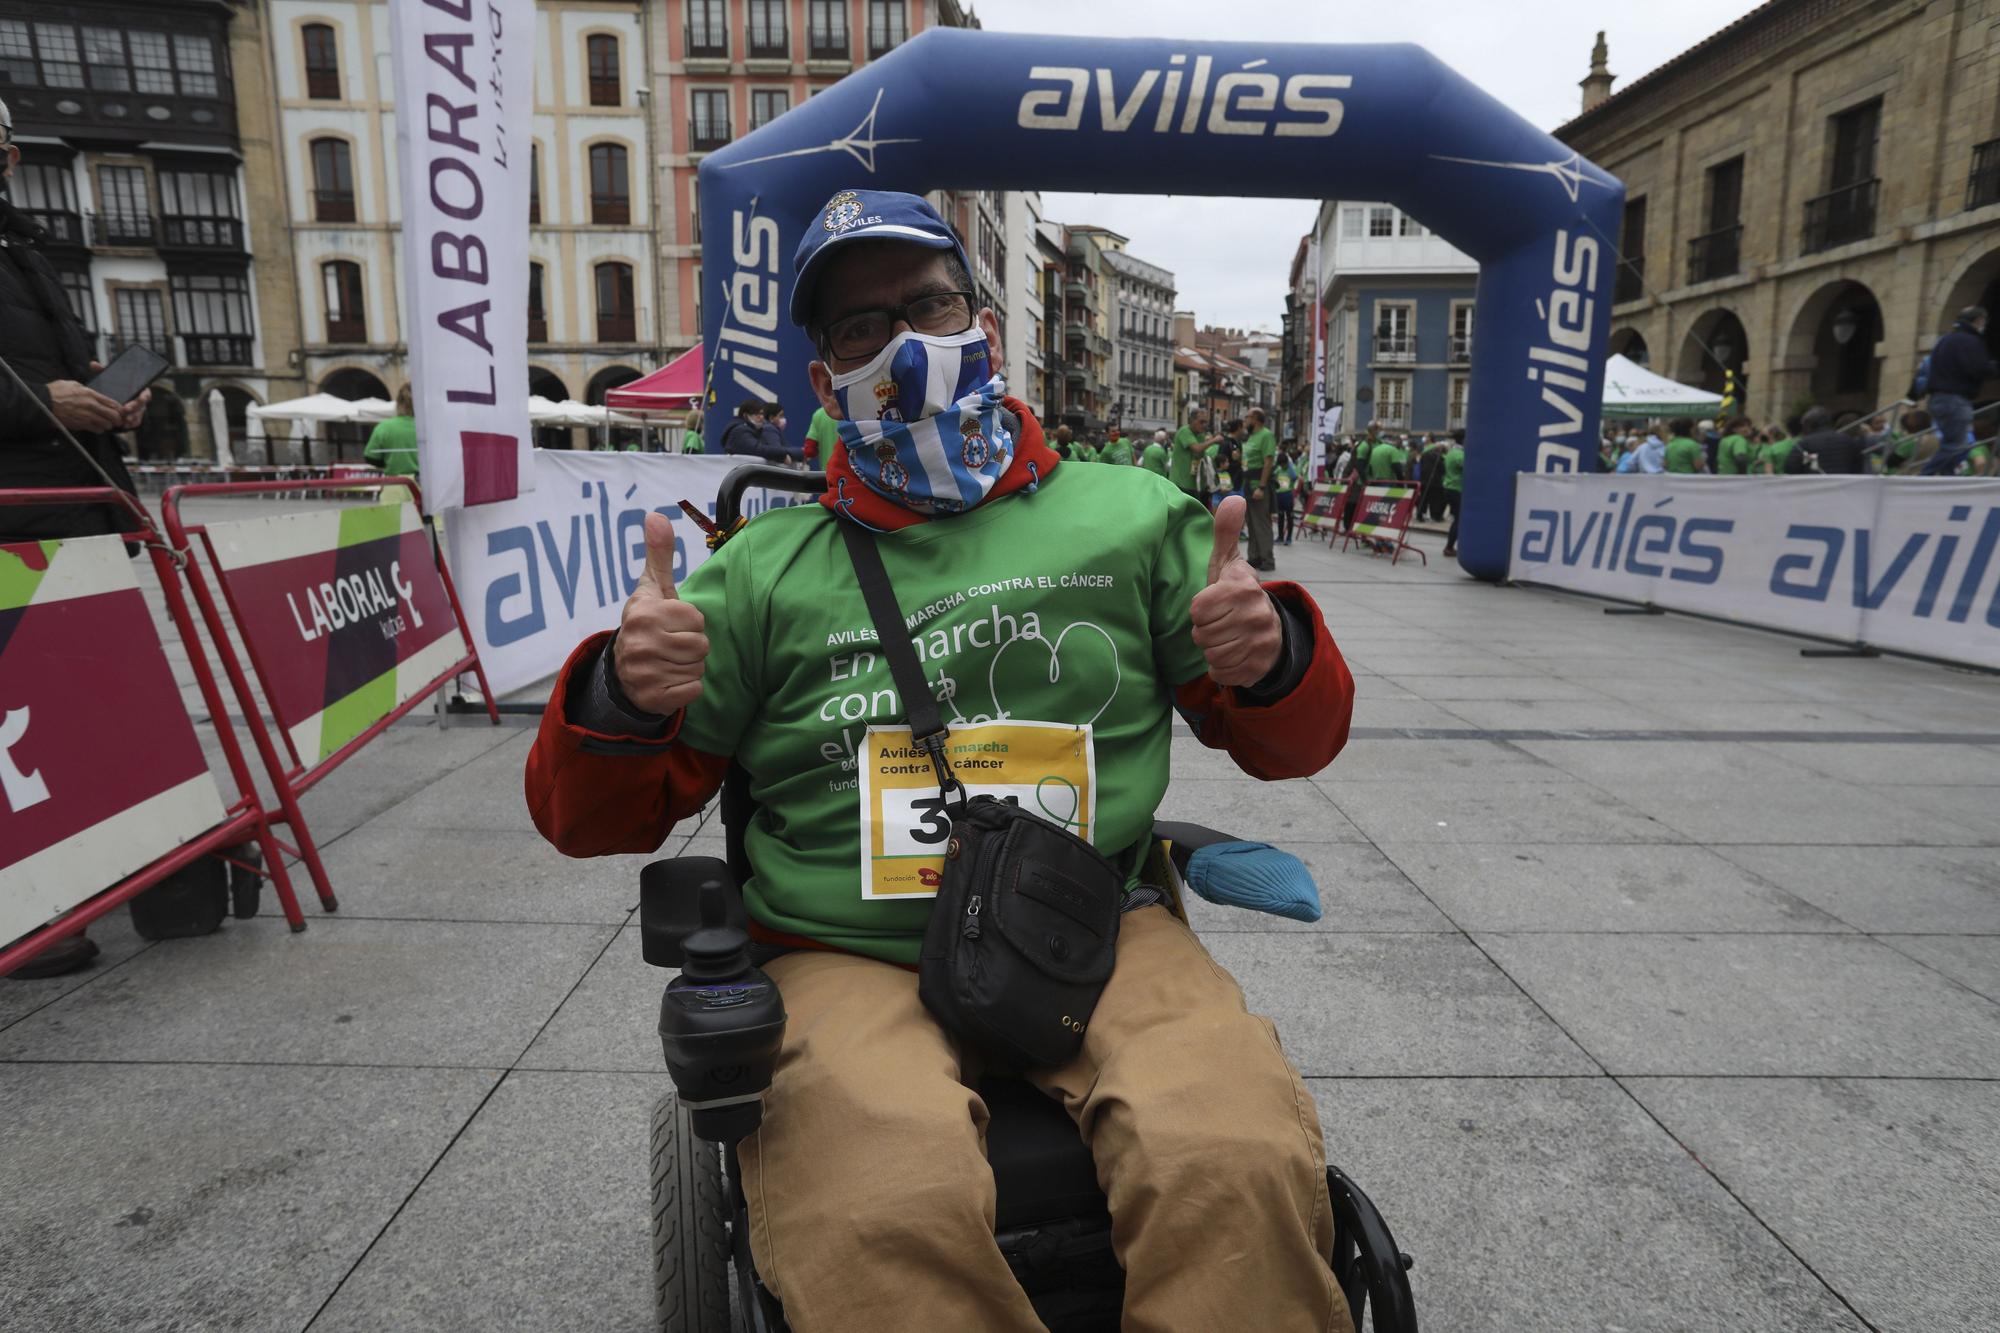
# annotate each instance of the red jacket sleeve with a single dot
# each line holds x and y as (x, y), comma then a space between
(1298, 735)
(593, 794)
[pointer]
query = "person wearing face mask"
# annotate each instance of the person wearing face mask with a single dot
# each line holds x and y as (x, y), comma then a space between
(1026, 562)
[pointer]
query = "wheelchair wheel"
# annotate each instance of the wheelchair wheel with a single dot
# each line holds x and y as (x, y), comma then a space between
(690, 1228)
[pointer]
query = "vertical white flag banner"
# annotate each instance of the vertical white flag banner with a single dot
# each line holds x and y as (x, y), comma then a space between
(464, 97)
(1316, 448)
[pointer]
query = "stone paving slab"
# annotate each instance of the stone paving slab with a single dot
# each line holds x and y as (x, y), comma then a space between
(467, 875)
(1973, 961)
(1278, 812)
(537, 1218)
(116, 942)
(1818, 1005)
(1472, 811)
(344, 992)
(1885, 1187)
(1557, 1205)
(1886, 888)
(1405, 1004)
(192, 1197)
(1564, 887)
(610, 1021)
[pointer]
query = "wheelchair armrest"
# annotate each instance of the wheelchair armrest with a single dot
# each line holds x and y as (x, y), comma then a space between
(1184, 840)
(670, 904)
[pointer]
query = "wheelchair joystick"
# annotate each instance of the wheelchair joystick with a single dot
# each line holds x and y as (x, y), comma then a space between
(721, 1023)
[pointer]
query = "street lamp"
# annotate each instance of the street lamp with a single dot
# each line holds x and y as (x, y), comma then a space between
(1845, 325)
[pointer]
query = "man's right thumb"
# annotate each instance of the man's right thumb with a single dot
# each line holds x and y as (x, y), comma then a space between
(660, 554)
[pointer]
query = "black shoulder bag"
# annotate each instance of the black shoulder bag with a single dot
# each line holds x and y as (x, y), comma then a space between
(1024, 932)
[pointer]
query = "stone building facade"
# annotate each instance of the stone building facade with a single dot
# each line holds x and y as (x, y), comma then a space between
(1812, 193)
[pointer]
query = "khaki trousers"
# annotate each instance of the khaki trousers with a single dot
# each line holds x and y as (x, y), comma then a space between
(872, 1205)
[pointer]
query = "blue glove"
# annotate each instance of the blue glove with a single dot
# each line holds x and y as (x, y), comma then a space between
(1254, 875)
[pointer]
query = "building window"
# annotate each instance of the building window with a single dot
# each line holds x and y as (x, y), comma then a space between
(1461, 331)
(768, 39)
(46, 192)
(152, 65)
(1381, 221)
(198, 209)
(767, 104)
(828, 31)
(76, 289)
(1631, 282)
(697, 297)
(142, 319)
(1392, 401)
(55, 48)
(1395, 338)
(534, 182)
(888, 26)
(1409, 226)
(104, 58)
(1714, 254)
(1455, 406)
(333, 180)
(212, 314)
(1846, 212)
(709, 128)
(610, 185)
(602, 52)
(194, 60)
(707, 30)
(694, 208)
(17, 54)
(346, 312)
(126, 216)
(322, 62)
(538, 317)
(614, 303)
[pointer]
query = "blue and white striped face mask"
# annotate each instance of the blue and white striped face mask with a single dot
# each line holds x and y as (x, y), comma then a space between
(922, 423)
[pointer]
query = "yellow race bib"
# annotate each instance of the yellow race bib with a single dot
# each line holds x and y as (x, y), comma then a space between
(1046, 767)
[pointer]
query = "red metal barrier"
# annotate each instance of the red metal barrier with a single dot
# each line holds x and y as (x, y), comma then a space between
(246, 817)
(291, 775)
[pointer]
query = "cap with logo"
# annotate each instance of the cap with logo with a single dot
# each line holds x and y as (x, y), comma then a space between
(865, 215)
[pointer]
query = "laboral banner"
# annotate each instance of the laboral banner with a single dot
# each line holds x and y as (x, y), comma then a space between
(343, 612)
(1911, 563)
(464, 96)
(1385, 511)
(100, 772)
(539, 574)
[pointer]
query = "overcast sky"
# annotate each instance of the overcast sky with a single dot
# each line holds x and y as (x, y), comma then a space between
(1230, 257)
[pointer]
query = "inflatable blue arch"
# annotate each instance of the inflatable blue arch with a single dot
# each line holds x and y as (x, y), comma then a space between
(965, 109)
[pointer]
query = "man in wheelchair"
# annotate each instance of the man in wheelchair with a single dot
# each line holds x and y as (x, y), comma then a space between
(1047, 602)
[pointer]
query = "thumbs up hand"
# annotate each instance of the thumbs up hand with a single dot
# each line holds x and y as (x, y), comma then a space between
(661, 648)
(1235, 624)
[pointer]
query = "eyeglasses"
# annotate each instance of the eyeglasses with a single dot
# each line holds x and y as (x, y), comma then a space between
(861, 335)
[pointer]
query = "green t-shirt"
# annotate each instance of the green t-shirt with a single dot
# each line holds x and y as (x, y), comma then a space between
(692, 443)
(1683, 455)
(1257, 450)
(1118, 451)
(1284, 475)
(1383, 460)
(392, 446)
(1733, 456)
(824, 431)
(1067, 604)
(1776, 454)
(1180, 471)
(1154, 459)
(1454, 468)
(1082, 452)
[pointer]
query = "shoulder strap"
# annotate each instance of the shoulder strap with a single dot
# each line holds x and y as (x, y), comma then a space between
(926, 723)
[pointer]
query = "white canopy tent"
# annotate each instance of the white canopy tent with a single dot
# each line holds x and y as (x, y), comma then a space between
(1631, 390)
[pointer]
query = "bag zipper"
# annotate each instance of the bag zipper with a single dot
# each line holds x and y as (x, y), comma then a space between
(971, 930)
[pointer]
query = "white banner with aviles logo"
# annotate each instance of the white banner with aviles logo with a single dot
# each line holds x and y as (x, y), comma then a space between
(538, 574)
(464, 100)
(1906, 563)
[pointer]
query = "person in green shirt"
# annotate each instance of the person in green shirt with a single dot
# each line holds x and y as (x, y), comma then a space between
(1191, 442)
(1387, 461)
(765, 657)
(1284, 489)
(1684, 453)
(1118, 450)
(1154, 459)
(1734, 452)
(822, 433)
(1453, 481)
(1773, 457)
(1260, 454)
(392, 445)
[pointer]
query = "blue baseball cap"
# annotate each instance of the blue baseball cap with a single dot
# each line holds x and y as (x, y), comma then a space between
(865, 215)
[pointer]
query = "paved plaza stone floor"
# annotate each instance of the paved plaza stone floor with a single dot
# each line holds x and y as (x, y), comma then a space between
(1658, 989)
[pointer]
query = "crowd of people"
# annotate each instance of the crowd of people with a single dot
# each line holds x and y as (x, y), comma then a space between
(1434, 464)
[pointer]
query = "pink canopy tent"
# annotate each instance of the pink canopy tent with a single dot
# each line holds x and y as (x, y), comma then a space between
(674, 387)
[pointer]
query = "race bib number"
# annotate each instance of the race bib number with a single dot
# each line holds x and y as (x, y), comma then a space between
(1046, 767)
